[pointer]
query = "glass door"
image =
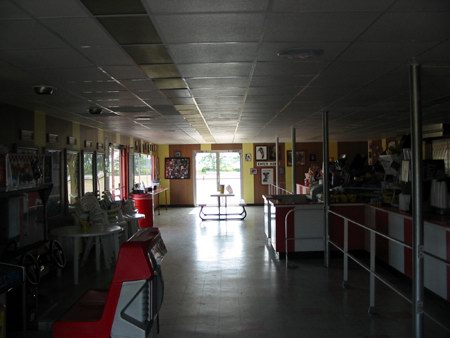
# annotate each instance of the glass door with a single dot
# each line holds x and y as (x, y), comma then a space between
(216, 168)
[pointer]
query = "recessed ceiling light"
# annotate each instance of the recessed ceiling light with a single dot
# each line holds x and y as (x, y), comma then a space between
(95, 110)
(299, 53)
(44, 89)
(143, 118)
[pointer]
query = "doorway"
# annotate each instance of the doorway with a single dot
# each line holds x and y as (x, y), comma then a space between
(214, 168)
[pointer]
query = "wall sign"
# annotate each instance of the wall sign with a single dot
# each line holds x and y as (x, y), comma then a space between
(266, 164)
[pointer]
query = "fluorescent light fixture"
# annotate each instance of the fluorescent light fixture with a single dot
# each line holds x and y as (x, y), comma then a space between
(299, 53)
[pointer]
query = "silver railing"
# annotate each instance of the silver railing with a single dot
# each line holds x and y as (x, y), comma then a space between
(371, 267)
(276, 190)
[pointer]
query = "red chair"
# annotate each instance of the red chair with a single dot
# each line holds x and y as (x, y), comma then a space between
(119, 311)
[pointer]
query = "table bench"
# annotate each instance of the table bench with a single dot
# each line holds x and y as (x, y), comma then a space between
(214, 216)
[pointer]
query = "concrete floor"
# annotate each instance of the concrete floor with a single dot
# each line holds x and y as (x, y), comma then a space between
(223, 280)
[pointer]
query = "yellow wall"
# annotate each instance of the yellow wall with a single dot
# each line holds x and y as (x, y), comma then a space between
(163, 152)
(248, 184)
(205, 147)
(333, 150)
(39, 129)
(76, 131)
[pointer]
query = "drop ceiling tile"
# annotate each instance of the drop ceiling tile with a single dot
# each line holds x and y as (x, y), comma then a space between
(306, 27)
(292, 6)
(268, 51)
(131, 30)
(182, 100)
(213, 52)
(406, 27)
(421, 6)
(220, 91)
(354, 73)
(153, 53)
(274, 90)
(220, 100)
(106, 7)
(384, 51)
(170, 83)
(287, 68)
(160, 71)
(234, 27)
(28, 34)
(281, 80)
(213, 82)
(215, 69)
(176, 93)
(9, 10)
(106, 56)
(166, 110)
(125, 72)
(141, 85)
(53, 8)
(44, 58)
(80, 31)
(183, 6)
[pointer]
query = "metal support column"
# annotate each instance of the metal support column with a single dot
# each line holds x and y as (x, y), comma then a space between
(294, 174)
(372, 279)
(326, 189)
(416, 141)
(345, 257)
(277, 160)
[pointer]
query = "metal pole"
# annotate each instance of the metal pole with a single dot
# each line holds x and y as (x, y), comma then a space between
(277, 158)
(326, 199)
(294, 174)
(345, 279)
(416, 141)
(372, 273)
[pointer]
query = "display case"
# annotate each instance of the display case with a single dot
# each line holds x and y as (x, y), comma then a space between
(23, 171)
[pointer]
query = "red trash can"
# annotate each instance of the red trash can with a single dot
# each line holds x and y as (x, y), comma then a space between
(144, 205)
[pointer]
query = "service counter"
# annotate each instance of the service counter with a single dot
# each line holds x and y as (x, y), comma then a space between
(306, 227)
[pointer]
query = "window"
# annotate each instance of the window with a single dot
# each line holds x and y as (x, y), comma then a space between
(114, 176)
(72, 176)
(143, 169)
(88, 172)
(100, 163)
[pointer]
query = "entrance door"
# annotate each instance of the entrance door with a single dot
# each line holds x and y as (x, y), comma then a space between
(213, 169)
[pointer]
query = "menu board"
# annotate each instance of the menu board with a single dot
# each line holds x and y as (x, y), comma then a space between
(177, 168)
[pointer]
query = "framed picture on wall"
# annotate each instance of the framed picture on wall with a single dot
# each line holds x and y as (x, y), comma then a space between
(177, 167)
(266, 176)
(261, 153)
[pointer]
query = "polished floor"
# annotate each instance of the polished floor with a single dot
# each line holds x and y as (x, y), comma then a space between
(223, 280)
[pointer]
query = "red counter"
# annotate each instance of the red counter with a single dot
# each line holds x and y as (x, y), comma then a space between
(144, 205)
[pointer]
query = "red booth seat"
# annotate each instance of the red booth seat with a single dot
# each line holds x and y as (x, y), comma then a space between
(103, 314)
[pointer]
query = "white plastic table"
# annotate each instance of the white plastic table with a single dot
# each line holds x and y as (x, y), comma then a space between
(75, 232)
(132, 220)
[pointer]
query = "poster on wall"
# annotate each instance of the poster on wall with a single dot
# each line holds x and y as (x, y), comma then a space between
(177, 167)
(266, 176)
